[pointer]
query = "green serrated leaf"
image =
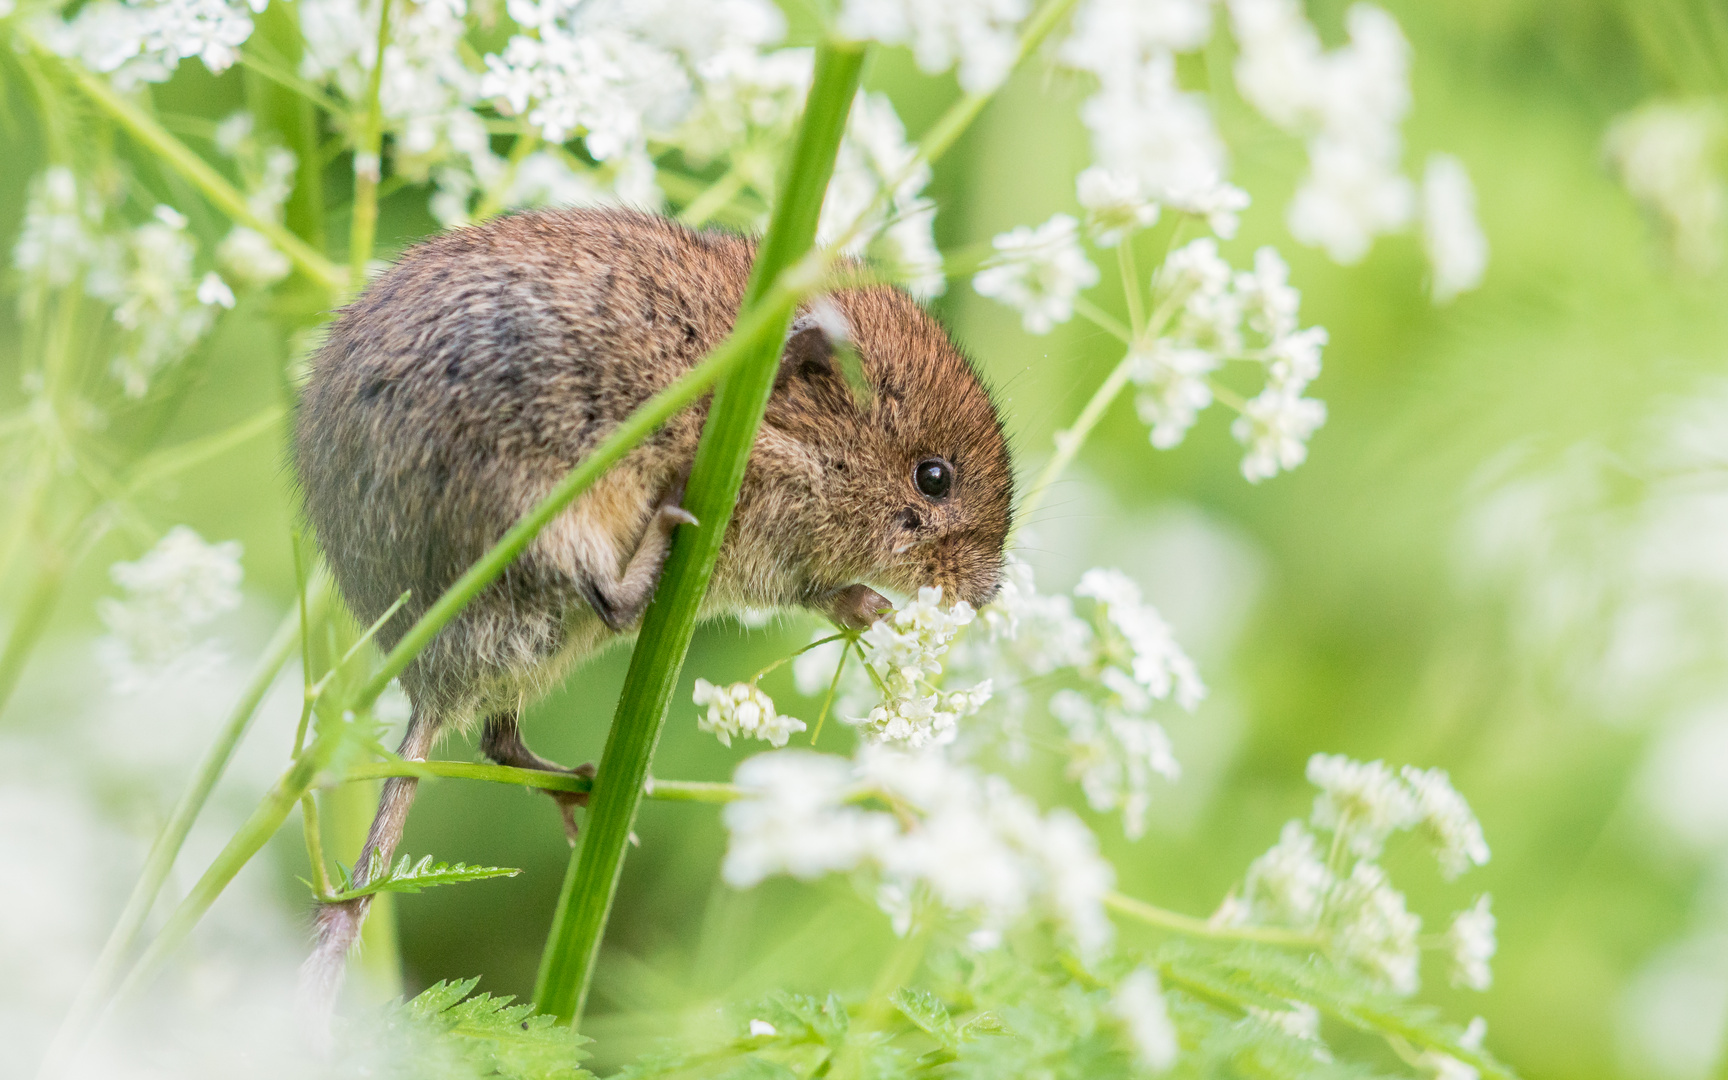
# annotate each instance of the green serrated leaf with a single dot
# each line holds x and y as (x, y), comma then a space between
(412, 878)
(927, 1011)
(490, 1035)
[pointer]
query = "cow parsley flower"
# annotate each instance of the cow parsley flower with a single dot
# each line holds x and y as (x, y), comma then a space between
(159, 303)
(1146, 642)
(1172, 388)
(144, 41)
(1372, 927)
(1667, 155)
(1471, 939)
(1138, 1002)
(1275, 426)
(1363, 802)
(1287, 886)
(1144, 126)
(173, 589)
(905, 648)
(795, 819)
(980, 36)
(1114, 753)
(1447, 819)
(61, 233)
(1115, 205)
(1457, 250)
(1039, 272)
(742, 709)
(1116, 37)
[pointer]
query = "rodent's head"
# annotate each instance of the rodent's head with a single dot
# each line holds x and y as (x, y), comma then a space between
(910, 472)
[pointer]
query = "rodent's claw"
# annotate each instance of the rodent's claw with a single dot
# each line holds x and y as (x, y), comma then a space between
(677, 515)
(857, 606)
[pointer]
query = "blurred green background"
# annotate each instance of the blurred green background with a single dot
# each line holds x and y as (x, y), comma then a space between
(1350, 607)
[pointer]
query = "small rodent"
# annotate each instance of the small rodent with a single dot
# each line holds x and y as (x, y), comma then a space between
(468, 379)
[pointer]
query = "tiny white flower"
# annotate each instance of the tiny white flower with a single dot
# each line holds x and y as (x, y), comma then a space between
(1457, 250)
(1373, 928)
(1156, 661)
(795, 820)
(742, 709)
(1139, 1003)
(1173, 390)
(214, 292)
(759, 1028)
(1115, 205)
(1363, 802)
(1448, 820)
(1667, 155)
(252, 258)
(1289, 884)
(977, 35)
(1275, 426)
(1349, 197)
(1472, 941)
(177, 586)
(1039, 272)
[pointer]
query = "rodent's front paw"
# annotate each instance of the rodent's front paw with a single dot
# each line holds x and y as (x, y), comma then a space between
(857, 606)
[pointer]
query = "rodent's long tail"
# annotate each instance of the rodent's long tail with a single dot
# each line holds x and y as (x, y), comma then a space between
(337, 926)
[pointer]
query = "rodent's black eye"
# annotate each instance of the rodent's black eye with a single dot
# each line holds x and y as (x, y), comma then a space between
(934, 477)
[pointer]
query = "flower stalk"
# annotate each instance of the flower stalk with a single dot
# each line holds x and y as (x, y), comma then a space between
(567, 965)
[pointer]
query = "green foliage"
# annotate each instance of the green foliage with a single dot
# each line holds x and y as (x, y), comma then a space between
(444, 1033)
(412, 878)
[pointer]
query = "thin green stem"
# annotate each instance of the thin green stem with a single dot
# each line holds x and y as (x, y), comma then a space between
(567, 965)
(368, 163)
(31, 621)
(251, 61)
(1131, 285)
(1102, 319)
(1189, 926)
(172, 152)
(164, 464)
(833, 687)
(784, 660)
(1069, 442)
(315, 846)
(94, 996)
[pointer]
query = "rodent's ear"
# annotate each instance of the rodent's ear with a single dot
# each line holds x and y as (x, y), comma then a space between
(817, 352)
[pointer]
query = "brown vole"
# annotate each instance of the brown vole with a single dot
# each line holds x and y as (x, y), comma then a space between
(467, 380)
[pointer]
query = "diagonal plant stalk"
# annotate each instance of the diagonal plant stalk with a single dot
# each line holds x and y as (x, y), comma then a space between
(567, 965)
(368, 163)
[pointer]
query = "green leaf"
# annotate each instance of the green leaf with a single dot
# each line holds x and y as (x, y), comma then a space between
(927, 1011)
(406, 878)
(450, 1033)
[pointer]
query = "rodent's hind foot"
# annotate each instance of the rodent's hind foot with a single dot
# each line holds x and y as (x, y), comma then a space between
(855, 606)
(569, 801)
(501, 740)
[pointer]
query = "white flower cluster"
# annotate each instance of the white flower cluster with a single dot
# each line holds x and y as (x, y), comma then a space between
(742, 710)
(904, 651)
(177, 586)
(1039, 272)
(1123, 660)
(1300, 883)
(876, 197)
(144, 40)
(977, 35)
(1152, 141)
(1668, 154)
(1222, 315)
(268, 173)
(980, 848)
(147, 273)
(159, 303)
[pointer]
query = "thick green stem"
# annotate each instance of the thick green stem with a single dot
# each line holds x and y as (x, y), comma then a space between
(98, 988)
(368, 164)
(567, 966)
(172, 152)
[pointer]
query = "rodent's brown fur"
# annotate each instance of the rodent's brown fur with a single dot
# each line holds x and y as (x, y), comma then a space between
(468, 379)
